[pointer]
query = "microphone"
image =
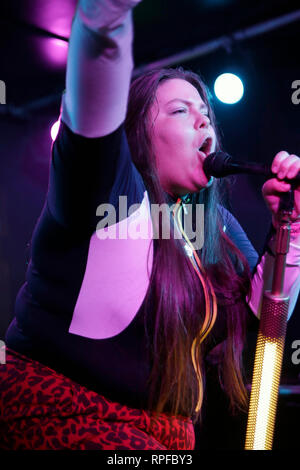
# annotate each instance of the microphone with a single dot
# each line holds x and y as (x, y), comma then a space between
(220, 164)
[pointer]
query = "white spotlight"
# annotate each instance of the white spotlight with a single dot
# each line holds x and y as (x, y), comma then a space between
(229, 88)
(54, 130)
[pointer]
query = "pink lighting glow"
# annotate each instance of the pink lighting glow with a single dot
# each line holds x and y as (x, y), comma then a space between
(54, 17)
(55, 50)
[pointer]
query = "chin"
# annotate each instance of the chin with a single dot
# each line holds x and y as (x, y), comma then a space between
(205, 182)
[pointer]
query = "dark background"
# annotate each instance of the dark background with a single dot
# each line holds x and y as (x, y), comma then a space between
(33, 46)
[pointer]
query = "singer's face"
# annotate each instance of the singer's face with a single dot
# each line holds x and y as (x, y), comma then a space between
(180, 128)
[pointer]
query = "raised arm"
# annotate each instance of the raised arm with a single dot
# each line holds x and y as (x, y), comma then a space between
(91, 161)
(99, 67)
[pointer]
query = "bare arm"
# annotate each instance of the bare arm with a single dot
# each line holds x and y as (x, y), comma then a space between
(99, 67)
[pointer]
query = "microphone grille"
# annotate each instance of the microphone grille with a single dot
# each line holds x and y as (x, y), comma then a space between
(215, 164)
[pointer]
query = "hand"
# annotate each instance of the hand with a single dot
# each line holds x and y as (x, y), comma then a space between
(284, 165)
(104, 13)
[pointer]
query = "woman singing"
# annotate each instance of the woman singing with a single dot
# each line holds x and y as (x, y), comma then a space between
(121, 308)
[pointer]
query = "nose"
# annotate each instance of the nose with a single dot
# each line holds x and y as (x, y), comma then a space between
(205, 121)
(202, 121)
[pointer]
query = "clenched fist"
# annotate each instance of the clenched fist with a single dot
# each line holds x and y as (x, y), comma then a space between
(104, 13)
(284, 166)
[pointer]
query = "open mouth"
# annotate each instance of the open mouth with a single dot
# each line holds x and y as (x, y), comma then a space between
(206, 146)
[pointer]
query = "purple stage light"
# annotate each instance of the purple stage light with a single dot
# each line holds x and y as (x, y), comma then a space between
(53, 17)
(55, 50)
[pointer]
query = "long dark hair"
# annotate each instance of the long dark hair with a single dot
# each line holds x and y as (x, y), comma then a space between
(175, 299)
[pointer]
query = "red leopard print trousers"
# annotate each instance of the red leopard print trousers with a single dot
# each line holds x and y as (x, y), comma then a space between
(43, 410)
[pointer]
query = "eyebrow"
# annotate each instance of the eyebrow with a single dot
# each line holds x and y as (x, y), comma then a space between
(187, 102)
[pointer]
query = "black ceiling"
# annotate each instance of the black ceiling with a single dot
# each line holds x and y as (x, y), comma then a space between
(163, 28)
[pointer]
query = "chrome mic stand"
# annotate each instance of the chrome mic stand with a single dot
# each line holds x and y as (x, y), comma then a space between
(270, 342)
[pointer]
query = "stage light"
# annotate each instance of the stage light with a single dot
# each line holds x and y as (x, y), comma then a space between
(55, 50)
(229, 88)
(54, 130)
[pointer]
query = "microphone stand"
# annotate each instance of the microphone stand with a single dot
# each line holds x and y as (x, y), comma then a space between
(270, 342)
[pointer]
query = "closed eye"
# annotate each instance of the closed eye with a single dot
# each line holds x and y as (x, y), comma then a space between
(179, 111)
